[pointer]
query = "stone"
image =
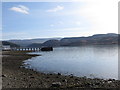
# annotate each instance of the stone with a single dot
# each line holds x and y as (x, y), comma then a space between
(32, 77)
(71, 76)
(109, 81)
(59, 73)
(65, 80)
(4, 76)
(56, 84)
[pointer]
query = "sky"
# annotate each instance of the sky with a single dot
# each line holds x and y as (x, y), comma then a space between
(28, 20)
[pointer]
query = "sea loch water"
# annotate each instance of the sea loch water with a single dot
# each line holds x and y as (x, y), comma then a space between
(99, 61)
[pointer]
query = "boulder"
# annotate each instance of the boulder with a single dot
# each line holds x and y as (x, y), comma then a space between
(56, 84)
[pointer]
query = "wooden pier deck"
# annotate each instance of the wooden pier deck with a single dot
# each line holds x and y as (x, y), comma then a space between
(31, 49)
(25, 49)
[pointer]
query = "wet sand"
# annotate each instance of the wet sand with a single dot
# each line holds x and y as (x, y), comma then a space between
(15, 76)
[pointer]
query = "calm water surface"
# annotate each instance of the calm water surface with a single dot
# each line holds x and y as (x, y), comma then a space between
(91, 61)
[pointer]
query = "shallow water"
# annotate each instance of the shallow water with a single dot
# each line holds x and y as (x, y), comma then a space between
(99, 61)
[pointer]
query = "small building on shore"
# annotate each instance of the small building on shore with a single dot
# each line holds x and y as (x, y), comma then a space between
(47, 49)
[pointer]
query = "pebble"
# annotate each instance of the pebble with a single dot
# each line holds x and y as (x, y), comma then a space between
(56, 84)
(71, 76)
(59, 73)
(109, 81)
(32, 77)
(47, 77)
(65, 80)
(4, 76)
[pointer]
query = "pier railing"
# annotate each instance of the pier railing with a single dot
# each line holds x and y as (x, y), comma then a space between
(25, 49)
(30, 49)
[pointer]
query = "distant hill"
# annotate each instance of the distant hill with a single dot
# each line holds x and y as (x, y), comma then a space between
(35, 45)
(27, 42)
(97, 39)
(9, 43)
(51, 43)
(110, 38)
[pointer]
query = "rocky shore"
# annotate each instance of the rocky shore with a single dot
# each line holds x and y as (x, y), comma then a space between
(15, 76)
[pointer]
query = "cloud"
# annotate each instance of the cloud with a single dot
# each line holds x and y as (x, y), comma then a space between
(58, 8)
(78, 23)
(60, 22)
(20, 9)
(102, 14)
(74, 29)
(52, 25)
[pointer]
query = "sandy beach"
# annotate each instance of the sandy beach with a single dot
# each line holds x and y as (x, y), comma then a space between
(16, 76)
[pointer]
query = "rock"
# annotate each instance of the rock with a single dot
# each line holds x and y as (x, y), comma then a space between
(29, 85)
(87, 84)
(97, 83)
(65, 80)
(4, 76)
(30, 74)
(56, 84)
(51, 74)
(47, 77)
(32, 77)
(109, 81)
(76, 79)
(14, 78)
(59, 73)
(71, 76)
(57, 76)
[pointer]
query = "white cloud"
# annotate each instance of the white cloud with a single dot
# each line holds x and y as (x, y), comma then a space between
(58, 8)
(20, 9)
(74, 29)
(24, 7)
(52, 25)
(102, 14)
(78, 23)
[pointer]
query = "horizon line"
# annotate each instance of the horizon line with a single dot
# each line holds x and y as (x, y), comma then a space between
(53, 37)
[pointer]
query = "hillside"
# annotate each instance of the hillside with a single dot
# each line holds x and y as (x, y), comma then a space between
(97, 39)
(27, 42)
(35, 45)
(9, 43)
(50, 43)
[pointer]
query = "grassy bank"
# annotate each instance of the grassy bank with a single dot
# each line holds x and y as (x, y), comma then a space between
(15, 76)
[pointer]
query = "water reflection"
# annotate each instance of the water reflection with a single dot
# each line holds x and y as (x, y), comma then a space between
(91, 61)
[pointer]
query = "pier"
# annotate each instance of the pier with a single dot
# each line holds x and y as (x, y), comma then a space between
(25, 49)
(31, 49)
